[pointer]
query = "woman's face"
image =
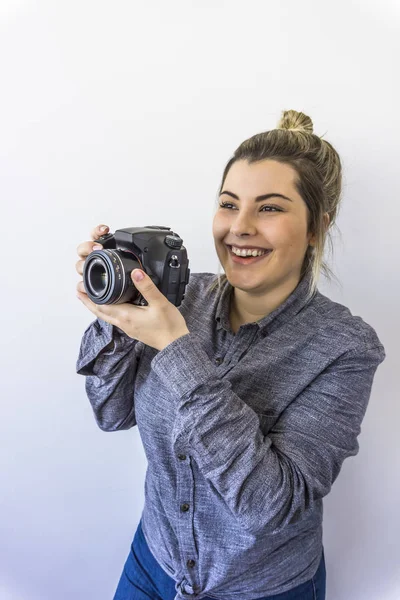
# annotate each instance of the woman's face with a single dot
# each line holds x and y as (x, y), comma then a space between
(274, 223)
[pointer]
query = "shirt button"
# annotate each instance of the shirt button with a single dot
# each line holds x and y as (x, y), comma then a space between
(191, 562)
(182, 456)
(219, 360)
(185, 507)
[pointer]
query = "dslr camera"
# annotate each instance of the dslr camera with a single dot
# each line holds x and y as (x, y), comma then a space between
(155, 249)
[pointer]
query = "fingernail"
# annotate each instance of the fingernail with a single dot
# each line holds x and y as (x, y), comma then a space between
(138, 275)
(97, 247)
(103, 228)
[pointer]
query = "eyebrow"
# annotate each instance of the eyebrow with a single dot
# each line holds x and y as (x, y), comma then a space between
(258, 198)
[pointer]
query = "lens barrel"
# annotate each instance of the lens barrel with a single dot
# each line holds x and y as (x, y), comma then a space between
(107, 277)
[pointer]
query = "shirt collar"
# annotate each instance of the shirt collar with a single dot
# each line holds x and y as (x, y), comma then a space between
(289, 308)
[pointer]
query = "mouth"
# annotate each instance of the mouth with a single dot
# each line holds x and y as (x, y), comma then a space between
(247, 260)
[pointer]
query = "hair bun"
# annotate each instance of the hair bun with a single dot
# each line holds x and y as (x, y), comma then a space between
(295, 121)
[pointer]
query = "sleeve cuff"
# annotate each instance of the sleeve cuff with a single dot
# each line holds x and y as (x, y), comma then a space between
(99, 336)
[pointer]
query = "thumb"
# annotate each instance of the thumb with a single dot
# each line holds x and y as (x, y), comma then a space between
(145, 285)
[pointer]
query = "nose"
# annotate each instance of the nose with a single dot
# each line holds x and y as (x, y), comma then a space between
(242, 225)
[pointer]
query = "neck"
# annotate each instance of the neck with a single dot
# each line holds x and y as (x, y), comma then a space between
(248, 307)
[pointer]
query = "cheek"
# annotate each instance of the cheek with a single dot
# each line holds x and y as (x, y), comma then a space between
(218, 226)
(286, 232)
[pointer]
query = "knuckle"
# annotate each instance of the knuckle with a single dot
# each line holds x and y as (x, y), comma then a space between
(96, 232)
(83, 249)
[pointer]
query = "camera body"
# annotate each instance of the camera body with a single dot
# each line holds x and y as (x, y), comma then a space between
(157, 250)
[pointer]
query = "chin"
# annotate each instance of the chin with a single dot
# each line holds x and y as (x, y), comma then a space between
(245, 280)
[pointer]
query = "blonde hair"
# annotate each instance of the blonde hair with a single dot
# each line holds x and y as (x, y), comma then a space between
(318, 182)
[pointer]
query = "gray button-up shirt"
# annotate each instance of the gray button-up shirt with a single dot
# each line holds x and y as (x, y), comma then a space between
(244, 434)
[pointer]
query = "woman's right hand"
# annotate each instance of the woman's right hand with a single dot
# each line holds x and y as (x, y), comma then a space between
(85, 248)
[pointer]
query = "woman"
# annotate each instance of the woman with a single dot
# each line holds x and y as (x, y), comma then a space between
(249, 396)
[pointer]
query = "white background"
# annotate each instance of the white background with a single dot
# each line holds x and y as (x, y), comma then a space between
(126, 113)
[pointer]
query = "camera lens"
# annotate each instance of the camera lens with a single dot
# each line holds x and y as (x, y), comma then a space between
(107, 277)
(98, 277)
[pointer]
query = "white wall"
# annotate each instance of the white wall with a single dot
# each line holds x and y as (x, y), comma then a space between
(126, 113)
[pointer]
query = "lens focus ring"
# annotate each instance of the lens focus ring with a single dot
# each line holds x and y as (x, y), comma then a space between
(106, 277)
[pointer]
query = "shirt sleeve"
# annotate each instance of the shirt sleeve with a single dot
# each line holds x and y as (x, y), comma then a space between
(268, 482)
(108, 358)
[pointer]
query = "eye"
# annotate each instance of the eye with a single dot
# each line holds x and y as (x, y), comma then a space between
(273, 208)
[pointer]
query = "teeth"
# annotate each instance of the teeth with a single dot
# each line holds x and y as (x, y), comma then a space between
(245, 252)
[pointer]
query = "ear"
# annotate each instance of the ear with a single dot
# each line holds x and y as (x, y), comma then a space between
(311, 240)
(326, 221)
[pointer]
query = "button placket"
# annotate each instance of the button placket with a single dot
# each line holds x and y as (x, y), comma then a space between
(241, 344)
(185, 499)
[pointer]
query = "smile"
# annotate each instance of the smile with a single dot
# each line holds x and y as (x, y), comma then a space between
(248, 260)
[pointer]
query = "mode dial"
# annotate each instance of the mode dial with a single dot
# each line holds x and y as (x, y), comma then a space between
(173, 241)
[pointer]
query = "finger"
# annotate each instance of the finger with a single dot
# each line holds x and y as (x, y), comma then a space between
(94, 308)
(79, 266)
(86, 248)
(104, 312)
(147, 288)
(80, 287)
(99, 231)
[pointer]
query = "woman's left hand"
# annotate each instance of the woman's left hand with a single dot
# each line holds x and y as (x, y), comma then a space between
(156, 325)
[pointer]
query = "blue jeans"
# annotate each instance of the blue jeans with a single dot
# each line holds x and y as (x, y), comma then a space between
(143, 579)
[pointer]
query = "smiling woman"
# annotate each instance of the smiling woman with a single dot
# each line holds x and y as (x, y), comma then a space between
(255, 395)
(284, 187)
